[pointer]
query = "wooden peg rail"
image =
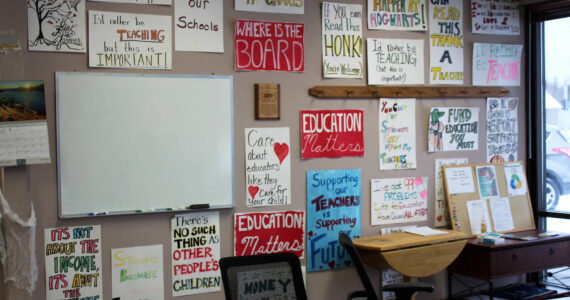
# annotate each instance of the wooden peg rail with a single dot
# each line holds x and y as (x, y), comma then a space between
(337, 91)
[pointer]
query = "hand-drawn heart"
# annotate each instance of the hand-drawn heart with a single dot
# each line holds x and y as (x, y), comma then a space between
(418, 181)
(440, 218)
(423, 194)
(331, 264)
(281, 150)
(252, 189)
(347, 262)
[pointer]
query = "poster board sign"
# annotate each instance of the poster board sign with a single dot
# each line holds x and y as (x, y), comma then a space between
(397, 15)
(342, 40)
(199, 26)
(395, 62)
(398, 200)
(502, 129)
(73, 262)
(129, 41)
(137, 272)
(154, 2)
(263, 6)
(519, 204)
(441, 211)
(495, 17)
(266, 283)
(446, 42)
(397, 123)
(496, 64)
(453, 129)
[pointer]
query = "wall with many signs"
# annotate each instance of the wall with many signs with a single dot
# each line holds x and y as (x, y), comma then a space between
(287, 169)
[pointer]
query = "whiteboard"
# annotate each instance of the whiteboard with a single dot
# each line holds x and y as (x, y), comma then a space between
(132, 143)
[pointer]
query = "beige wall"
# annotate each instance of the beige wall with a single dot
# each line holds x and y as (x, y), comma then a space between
(38, 183)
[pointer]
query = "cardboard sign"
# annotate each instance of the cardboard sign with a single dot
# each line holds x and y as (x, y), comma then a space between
(137, 272)
(269, 46)
(496, 65)
(271, 6)
(333, 205)
(495, 17)
(129, 41)
(332, 133)
(397, 119)
(395, 61)
(195, 253)
(269, 232)
(398, 200)
(446, 42)
(397, 15)
(453, 129)
(342, 40)
(73, 262)
(59, 28)
(502, 129)
(199, 25)
(267, 166)
(441, 211)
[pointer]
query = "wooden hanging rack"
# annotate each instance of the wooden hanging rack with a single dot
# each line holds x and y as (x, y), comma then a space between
(339, 91)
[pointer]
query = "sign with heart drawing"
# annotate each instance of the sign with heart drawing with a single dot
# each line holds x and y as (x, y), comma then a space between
(267, 166)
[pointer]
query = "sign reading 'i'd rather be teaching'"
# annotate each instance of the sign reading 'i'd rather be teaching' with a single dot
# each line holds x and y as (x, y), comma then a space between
(269, 46)
(332, 133)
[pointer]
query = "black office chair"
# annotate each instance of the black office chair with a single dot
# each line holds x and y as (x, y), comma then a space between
(403, 291)
(272, 276)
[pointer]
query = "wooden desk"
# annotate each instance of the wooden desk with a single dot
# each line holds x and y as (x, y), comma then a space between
(410, 254)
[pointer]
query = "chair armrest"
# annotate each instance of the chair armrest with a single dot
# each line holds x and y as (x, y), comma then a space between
(409, 287)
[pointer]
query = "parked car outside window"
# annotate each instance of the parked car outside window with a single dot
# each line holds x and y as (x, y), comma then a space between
(557, 166)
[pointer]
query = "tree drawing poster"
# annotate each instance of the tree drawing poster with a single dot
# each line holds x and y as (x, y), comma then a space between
(267, 166)
(397, 15)
(333, 205)
(195, 253)
(453, 129)
(129, 41)
(392, 61)
(269, 232)
(199, 26)
(398, 200)
(441, 211)
(502, 129)
(137, 272)
(496, 64)
(397, 118)
(495, 17)
(73, 262)
(56, 25)
(446, 42)
(342, 40)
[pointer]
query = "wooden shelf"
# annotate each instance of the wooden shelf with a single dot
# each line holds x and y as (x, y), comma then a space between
(338, 91)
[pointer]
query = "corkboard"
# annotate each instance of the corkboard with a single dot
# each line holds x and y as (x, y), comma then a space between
(521, 209)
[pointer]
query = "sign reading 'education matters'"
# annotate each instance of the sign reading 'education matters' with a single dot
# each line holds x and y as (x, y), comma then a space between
(269, 232)
(269, 46)
(332, 133)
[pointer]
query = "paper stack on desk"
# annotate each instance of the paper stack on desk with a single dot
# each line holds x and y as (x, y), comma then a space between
(425, 231)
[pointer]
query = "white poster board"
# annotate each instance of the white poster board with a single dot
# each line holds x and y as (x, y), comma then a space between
(453, 129)
(199, 26)
(280, 7)
(502, 129)
(495, 17)
(137, 272)
(397, 124)
(496, 64)
(155, 2)
(398, 200)
(395, 62)
(397, 15)
(446, 42)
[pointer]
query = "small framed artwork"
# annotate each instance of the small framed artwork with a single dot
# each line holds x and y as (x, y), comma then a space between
(267, 101)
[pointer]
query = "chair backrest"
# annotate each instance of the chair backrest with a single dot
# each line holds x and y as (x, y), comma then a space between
(267, 276)
(347, 244)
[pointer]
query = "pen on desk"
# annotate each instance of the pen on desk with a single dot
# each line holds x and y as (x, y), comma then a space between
(164, 209)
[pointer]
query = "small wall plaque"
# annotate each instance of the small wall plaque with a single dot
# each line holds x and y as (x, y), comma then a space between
(267, 101)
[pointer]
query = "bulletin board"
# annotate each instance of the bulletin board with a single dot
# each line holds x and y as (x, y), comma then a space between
(519, 204)
(135, 143)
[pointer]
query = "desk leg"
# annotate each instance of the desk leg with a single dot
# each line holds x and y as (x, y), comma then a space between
(449, 288)
(491, 290)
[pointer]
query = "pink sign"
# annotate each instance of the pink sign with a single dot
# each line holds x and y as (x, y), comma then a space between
(269, 232)
(269, 46)
(332, 133)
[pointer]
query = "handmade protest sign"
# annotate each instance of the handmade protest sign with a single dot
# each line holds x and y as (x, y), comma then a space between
(53, 26)
(397, 15)
(266, 283)
(441, 212)
(271, 6)
(195, 253)
(446, 42)
(453, 129)
(332, 133)
(267, 166)
(73, 262)
(199, 25)
(137, 272)
(496, 65)
(395, 61)
(269, 46)
(502, 129)
(342, 40)
(269, 232)
(155, 2)
(495, 17)
(129, 41)
(398, 200)
(333, 205)
(397, 123)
